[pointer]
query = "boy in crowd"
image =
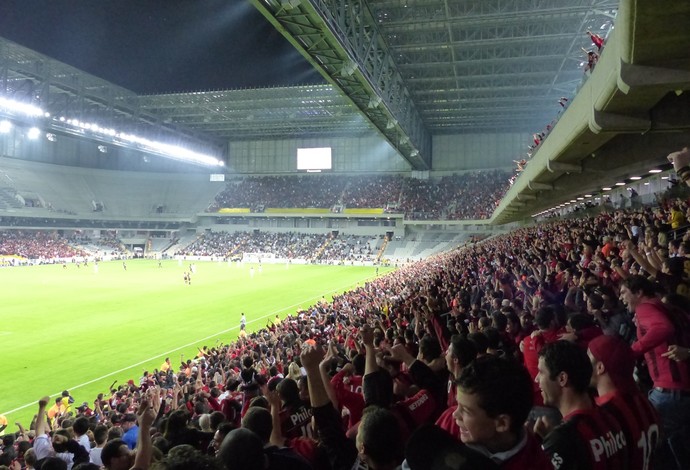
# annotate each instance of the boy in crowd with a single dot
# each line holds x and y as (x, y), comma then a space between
(494, 400)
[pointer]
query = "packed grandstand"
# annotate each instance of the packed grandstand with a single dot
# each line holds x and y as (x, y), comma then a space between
(560, 341)
(403, 343)
(472, 195)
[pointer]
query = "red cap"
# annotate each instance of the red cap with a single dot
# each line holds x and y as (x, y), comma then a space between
(618, 359)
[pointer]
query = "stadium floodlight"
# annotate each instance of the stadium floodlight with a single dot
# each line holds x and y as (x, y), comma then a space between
(655, 170)
(168, 150)
(17, 107)
(141, 143)
(33, 133)
(620, 184)
(178, 152)
(635, 178)
(84, 128)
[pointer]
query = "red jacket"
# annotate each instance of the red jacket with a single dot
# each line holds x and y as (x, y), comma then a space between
(349, 398)
(655, 333)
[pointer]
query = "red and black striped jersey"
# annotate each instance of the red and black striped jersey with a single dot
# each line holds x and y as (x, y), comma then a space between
(640, 424)
(587, 439)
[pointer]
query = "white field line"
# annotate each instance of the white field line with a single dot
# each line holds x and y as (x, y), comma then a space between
(273, 314)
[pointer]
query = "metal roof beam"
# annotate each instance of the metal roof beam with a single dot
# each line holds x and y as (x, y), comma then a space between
(342, 40)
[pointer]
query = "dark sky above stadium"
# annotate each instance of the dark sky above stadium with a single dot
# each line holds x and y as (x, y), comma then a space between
(159, 46)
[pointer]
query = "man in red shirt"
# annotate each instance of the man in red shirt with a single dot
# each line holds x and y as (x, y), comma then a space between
(597, 40)
(613, 364)
(588, 437)
(547, 333)
(658, 328)
(494, 399)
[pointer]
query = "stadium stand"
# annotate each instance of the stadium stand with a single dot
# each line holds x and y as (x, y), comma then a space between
(257, 193)
(480, 356)
(531, 293)
(284, 246)
(37, 246)
(460, 196)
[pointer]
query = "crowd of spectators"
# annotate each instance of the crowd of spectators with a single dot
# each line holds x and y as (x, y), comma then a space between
(472, 195)
(233, 245)
(108, 241)
(50, 247)
(260, 192)
(372, 191)
(36, 245)
(348, 248)
(477, 358)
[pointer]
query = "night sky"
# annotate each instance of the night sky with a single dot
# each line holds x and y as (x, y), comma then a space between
(159, 46)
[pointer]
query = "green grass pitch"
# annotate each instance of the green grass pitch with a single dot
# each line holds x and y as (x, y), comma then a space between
(80, 330)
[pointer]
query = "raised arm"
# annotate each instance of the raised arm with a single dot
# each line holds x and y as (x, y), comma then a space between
(368, 340)
(324, 368)
(640, 259)
(340, 450)
(22, 431)
(311, 358)
(145, 417)
(41, 419)
(175, 397)
(277, 438)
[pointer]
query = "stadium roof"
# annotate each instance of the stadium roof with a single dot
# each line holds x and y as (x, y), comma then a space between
(409, 68)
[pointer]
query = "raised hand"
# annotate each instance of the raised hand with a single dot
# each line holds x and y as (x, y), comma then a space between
(145, 414)
(367, 334)
(311, 356)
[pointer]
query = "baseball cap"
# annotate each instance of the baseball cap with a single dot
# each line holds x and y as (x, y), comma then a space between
(618, 359)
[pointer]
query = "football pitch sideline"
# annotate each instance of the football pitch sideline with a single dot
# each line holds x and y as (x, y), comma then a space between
(82, 328)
